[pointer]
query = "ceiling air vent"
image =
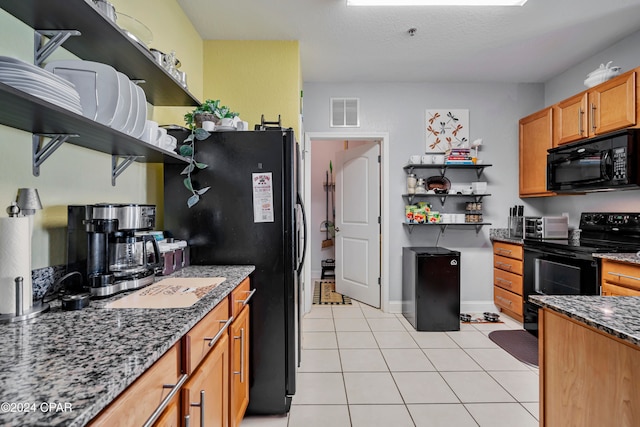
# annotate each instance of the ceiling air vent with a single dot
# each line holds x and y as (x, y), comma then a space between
(345, 112)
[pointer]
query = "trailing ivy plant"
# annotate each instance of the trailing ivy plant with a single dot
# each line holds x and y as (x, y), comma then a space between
(208, 107)
(188, 150)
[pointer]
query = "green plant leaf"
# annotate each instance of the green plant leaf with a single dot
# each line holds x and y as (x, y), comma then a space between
(188, 169)
(193, 200)
(187, 183)
(201, 134)
(186, 150)
(203, 190)
(201, 165)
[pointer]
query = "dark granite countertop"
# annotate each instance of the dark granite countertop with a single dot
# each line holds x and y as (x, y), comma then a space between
(617, 316)
(86, 358)
(502, 235)
(630, 258)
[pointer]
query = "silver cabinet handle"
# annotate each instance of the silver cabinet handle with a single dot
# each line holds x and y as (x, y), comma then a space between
(504, 300)
(165, 402)
(580, 113)
(506, 282)
(504, 251)
(187, 421)
(593, 117)
(241, 372)
(246, 300)
(201, 406)
(502, 264)
(337, 229)
(613, 273)
(212, 341)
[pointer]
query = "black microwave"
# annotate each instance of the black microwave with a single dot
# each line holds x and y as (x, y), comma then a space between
(607, 162)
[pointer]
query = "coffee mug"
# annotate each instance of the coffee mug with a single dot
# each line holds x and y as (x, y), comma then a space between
(208, 126)
(438, 159)
(427, 158)
(150, 133)
(415, 159)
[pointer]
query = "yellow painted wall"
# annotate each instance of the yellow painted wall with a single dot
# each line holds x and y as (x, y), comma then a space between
(255, 77)
(74, 175)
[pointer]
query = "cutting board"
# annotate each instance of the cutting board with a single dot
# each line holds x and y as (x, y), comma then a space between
(174, 292)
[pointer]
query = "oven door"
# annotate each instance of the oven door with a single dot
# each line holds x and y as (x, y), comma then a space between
(552, 271)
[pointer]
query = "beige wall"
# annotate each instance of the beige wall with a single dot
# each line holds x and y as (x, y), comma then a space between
(74, 175)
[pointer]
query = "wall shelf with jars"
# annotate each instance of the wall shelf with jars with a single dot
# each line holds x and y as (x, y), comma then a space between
(420, 189)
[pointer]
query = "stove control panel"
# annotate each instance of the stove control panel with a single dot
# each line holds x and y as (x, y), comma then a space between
(604, 220)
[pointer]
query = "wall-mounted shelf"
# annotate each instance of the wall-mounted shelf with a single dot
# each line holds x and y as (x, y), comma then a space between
(444, 167)
(443, 197)
(443, 226)
(23, 111)
(101, 40)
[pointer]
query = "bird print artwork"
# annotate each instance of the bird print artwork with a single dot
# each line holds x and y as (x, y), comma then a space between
(446, 129)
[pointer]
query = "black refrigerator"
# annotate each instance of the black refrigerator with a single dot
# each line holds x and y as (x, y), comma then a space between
(253, 214)
(431, 288)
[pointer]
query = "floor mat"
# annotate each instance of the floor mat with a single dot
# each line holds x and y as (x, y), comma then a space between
(518, 343)
(324, 293)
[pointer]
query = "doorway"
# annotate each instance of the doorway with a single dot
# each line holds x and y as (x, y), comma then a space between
(315, 176)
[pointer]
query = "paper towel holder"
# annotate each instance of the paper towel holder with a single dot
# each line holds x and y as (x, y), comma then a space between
(28, 201)
(20, 314)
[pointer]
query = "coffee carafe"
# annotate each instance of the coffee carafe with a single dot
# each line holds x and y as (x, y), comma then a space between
(115, 259)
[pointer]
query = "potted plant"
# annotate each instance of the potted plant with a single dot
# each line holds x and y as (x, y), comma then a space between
(207, 111)
(210, 111)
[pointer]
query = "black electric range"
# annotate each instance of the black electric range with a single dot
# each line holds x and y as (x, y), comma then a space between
(567, 267)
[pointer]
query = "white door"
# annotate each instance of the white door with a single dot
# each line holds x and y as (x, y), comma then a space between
(357, 228)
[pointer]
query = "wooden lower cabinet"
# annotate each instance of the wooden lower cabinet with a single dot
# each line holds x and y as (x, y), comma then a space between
(171, 415)
(587, 378)
(507, 278)
(206, 393)
(620, 278)
(239, 395)
(136, 404)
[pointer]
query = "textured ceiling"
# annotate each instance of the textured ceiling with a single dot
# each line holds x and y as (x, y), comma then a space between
(531, 43)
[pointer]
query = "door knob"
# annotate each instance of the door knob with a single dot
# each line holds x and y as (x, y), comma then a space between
(337, 229)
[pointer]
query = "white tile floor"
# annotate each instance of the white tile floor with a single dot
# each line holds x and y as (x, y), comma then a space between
(365, 368)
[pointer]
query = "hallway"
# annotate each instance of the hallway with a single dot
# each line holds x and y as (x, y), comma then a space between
(365, 368)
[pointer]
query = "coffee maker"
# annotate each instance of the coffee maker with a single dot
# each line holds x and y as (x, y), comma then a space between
(102, 245)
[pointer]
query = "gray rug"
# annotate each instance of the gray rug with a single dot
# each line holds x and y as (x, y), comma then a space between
(518, 343)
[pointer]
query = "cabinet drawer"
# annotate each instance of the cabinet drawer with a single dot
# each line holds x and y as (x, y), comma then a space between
(508, 250)
(198, 341)
(507, 300)
(240, 297)
(136, 404)
(507, 264)
(509, 281)
(622, 274)
(610, 290)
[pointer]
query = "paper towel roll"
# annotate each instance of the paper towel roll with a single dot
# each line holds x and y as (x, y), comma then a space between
(15, 260)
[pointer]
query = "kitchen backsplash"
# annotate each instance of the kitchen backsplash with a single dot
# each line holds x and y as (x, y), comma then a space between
(43, 278)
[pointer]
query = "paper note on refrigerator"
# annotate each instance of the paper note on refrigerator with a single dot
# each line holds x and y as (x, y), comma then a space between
(262, 197)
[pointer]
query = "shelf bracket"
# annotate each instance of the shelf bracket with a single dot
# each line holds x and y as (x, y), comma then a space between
(41, 153)
(42, 48)
(442, 200)
(479, 171)
(118, 168)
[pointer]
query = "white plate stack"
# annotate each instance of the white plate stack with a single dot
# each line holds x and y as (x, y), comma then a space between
(107, 96)
(40, 83)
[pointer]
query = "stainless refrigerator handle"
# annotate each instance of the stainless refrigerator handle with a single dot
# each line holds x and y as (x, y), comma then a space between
(304, 233)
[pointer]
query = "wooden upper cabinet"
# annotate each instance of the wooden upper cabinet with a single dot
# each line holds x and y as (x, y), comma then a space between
(612, 104)
(570, 119)
(536, 137)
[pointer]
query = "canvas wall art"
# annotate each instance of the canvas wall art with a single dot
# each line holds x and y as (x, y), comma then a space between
(446, 129)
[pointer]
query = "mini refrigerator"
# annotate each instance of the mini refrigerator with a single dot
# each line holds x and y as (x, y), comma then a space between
(431, 288)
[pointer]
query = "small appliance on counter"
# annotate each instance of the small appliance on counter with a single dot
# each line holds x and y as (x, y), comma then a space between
(546, 227)
(103, 246)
